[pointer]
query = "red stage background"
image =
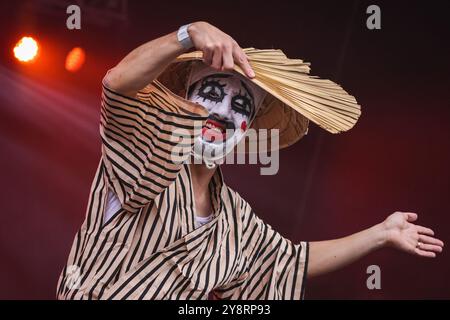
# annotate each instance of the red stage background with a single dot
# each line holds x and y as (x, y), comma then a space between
(396, 158)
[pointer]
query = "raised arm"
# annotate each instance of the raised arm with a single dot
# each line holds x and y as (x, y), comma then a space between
(141, 119)
(141, 66)
(397, 231)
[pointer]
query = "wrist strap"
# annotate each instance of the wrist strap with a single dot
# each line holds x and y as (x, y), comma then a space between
(183, 37)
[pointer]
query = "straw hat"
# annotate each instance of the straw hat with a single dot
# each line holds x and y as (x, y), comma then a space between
(294, 98)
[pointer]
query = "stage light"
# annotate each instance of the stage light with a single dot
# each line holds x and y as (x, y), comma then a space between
(26, 49)
(75, 59)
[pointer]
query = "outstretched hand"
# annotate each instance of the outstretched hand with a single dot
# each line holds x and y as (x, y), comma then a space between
(403, 234)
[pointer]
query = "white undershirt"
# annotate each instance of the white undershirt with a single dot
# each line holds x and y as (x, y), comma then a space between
(113, 205)
(200, 221)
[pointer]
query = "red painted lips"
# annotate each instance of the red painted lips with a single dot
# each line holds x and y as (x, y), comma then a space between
(214, 131)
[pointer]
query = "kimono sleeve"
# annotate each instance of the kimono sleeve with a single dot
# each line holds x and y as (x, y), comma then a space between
(274, 267)
(145, 140)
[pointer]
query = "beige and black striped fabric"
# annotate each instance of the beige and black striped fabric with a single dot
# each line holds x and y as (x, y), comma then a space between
(150, 248)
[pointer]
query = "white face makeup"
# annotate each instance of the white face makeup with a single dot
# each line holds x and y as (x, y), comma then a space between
(231, 107)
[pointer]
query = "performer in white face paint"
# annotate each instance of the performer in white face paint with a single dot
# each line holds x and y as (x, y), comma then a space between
(156, 229)
(232, 101)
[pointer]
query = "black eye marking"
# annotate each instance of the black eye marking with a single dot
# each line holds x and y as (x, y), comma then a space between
(191, 89)
(242, 104)
(212, 90)
(249, 92)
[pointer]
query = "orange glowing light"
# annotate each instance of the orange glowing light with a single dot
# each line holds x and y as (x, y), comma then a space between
(75, 59)
(26, 49)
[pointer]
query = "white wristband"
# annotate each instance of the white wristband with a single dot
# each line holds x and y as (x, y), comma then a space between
(184, 38)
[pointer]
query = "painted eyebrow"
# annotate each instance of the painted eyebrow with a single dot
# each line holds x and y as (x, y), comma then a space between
(247, 89)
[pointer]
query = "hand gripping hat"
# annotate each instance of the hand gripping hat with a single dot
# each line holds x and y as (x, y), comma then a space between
(294, 96)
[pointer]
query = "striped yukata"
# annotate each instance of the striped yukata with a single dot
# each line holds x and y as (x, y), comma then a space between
(150, 248)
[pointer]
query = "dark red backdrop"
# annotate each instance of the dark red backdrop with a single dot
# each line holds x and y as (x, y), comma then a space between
(396, 158)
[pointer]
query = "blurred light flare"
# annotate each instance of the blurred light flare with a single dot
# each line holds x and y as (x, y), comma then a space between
(75, 59)
(26, 50)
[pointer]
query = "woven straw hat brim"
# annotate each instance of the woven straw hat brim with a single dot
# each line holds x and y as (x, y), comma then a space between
(294, 98)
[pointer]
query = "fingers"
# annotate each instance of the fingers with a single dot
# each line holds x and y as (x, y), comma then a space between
(224, 57)
(217, 59)
(241, 60)
(227, 58)
(410, 216)
(220, 51)
(208, 53)
(424, 230)
(430, 240)
(426, 254)
(430, 247)
(221, 58)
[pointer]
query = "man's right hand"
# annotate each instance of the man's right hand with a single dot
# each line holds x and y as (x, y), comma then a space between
(142, 65)
(220, 51)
